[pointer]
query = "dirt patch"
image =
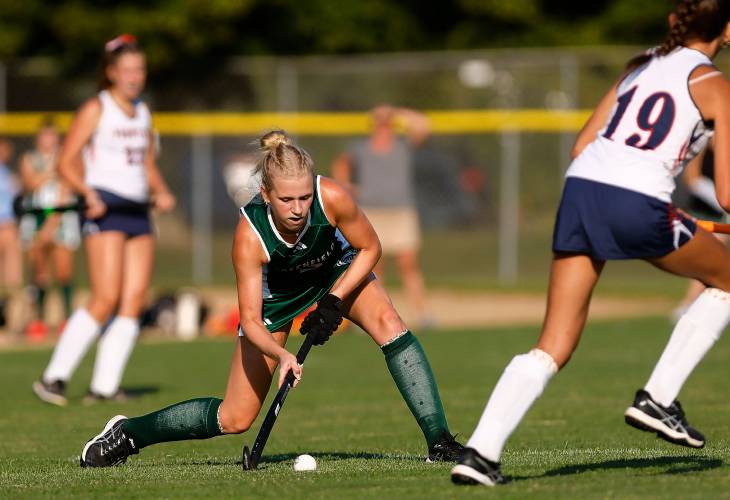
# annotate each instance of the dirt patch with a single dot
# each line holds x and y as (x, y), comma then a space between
(459, 310)
(453, 309)
(448, 309)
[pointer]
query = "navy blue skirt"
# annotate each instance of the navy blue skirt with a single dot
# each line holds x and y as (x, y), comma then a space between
(129, 217)
(611, 223)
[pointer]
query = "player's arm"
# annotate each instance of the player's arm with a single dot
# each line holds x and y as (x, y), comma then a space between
(162, 198)
(417, 125)
(355, 227)
(712, 97)
(342, 171)
(248, 261)
(699, 185)
(596, 122)
(79, 134)
(70, 165)
(30, 179)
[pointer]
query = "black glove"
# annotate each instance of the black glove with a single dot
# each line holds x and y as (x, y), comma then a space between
(324, 320)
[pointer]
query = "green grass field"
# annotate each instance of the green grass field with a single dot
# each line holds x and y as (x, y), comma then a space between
(348, 414)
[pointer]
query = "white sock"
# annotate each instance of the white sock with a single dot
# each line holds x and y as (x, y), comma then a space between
(520, 385)
(694, 334)
(81, 330)
(112, 355)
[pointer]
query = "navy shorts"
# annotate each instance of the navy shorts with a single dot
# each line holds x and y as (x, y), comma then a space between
(129, 217)
(610, 223)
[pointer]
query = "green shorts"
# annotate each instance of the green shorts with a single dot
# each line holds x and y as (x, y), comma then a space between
(280, 309)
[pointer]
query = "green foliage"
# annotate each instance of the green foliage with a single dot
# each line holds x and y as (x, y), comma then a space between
(178, 32)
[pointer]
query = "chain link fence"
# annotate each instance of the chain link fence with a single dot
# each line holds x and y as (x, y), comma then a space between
(486, 198)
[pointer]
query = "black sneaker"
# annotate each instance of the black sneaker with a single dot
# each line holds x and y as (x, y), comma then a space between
(92, 397)
(472, 468)
(446, 449)
(54, 392)
(111, 447)
(669, 423)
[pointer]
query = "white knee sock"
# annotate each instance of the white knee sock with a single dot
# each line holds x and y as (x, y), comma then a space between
(695, 333)
(81, 330)
(112, 355)
(521, 384)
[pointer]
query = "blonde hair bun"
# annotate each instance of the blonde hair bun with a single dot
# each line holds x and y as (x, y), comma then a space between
(274, 139)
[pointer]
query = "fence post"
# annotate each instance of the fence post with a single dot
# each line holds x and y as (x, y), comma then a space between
(509, 207)
(287, 87)
(569, 87)
(202, 208)
(3, 88)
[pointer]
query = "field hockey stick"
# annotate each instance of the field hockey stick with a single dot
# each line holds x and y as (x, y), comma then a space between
(251, 457)
(20, 207)
(714, 227)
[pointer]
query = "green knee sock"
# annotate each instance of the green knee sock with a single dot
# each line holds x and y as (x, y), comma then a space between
(412, 374)
(67, 293)
(192, 419)
(40, 300)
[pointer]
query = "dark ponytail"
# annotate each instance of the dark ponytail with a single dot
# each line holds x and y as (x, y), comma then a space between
(113, 50)
(702, 20)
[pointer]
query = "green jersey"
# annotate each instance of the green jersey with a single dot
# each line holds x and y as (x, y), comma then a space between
(296, 275)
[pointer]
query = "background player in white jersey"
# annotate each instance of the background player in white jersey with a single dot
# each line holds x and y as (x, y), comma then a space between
(616, 205)
(50, 239)
(113, 133)
(11, 259)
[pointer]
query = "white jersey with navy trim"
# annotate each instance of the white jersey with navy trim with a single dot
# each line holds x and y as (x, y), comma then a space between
(114, 157)
(654, 129)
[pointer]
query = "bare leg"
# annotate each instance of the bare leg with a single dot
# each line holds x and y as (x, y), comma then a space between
(105, 262)
(413, 283)
(708, 260)
(370, 307)
(249, 380)
(572, 280)
(117, 343)
(694, 289)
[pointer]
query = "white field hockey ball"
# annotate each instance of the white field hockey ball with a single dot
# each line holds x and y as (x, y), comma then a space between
(304, 463)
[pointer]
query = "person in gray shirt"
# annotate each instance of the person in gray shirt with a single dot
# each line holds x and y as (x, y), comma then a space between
(379, 171)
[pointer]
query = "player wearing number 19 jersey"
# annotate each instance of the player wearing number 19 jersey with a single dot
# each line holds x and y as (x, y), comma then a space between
(616, 205)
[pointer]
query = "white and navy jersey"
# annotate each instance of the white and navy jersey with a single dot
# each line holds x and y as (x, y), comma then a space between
(654, 129)
(114, 157)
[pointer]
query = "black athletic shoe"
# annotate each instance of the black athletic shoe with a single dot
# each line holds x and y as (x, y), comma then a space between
(446, 449)
(669, 423)
(472, 468)
(92, 397)
(111, 447)
(54, 393)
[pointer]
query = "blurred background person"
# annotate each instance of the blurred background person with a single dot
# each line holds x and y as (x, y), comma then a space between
(112, 134)
(50, 239)
(379, 171)
(11, 261)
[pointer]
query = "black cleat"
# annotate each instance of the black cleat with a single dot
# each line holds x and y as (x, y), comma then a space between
(472, 468)
(669, 423)
(54, 393)
(92, 397)
(446, 449)
(111, 447)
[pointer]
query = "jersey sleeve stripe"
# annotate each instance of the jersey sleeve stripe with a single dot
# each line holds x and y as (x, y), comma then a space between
(319, 198)
(704, 77)
(261, 240)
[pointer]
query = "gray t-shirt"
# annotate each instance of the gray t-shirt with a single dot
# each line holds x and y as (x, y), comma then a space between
(383, 180)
